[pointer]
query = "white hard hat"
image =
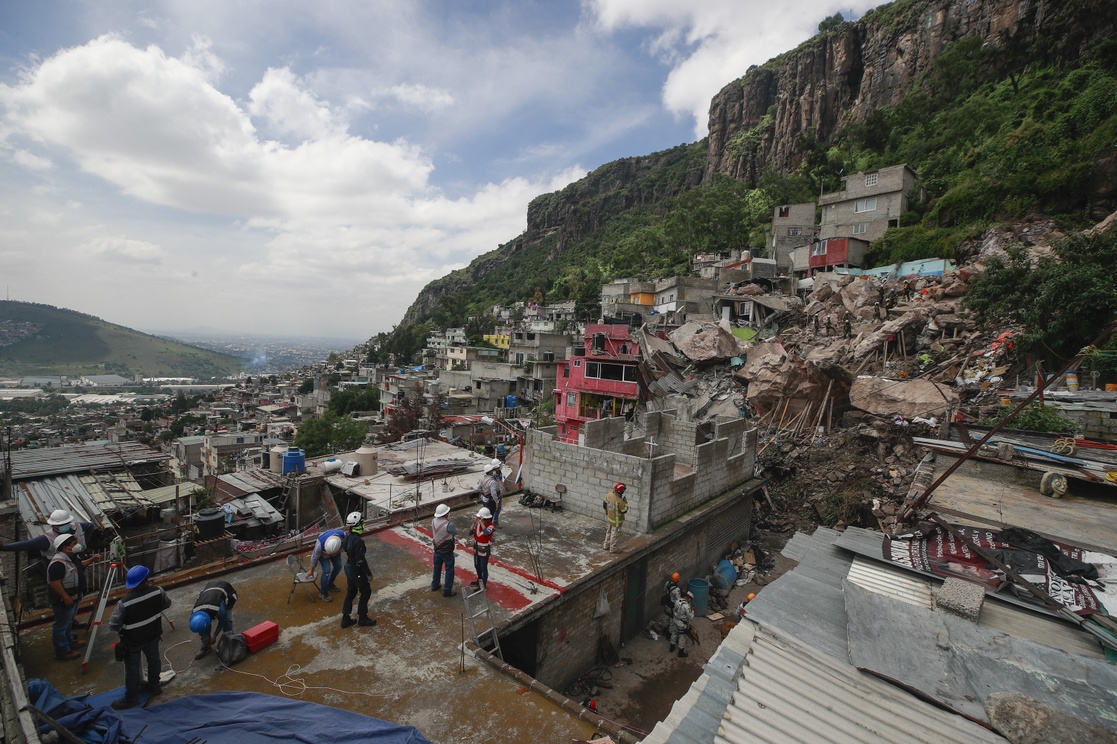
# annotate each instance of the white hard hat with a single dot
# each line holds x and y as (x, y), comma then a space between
(484, 513)
(354, 518)
(441, 510)
(495, 464)
(63, 539)
(332, 546)
(59, 517)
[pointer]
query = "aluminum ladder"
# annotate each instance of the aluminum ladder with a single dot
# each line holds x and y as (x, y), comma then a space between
(477, 605)
(96, 618)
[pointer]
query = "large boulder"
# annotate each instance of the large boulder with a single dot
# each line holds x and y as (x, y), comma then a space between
(705, 343)
(773, 375)
(907, 398)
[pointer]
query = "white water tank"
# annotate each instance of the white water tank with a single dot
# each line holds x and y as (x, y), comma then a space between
(367, 458)
(332, 465)
(275, 464)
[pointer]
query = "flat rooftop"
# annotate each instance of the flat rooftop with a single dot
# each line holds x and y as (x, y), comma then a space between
(410, 668)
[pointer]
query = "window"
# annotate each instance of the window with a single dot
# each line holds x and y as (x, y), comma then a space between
(865, 205)
(577, 362)
(605, 371)
(794, 231)
(571, 399)
(785, 211)
(819, 248)
(871, 179)
(859, 228)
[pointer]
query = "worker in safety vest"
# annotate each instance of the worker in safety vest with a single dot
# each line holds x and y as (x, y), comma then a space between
(482, 531)
(66, 584)
(60, 522)
(139, 620)
(444, 535)
(491, 488)
(327, 551)
(214, 603)
(616, 506)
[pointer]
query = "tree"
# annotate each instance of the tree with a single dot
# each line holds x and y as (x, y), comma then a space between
(830, 23)
(330, 434)
(1063, 301)
(406, 416)
(180, 404)
(344, 402)
(306, 387)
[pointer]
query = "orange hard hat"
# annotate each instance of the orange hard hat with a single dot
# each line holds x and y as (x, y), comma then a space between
(675, 577)
(751, 597)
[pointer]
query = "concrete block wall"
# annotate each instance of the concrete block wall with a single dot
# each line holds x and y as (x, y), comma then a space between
(567, 635)
(1093, 423)
(588, 474)
(567, 639)
(656, 493)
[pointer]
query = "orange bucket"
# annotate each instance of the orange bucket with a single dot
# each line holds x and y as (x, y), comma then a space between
(1111, 387)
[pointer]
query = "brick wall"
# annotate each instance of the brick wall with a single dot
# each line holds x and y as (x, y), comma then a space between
(667, 471)
(567, 634)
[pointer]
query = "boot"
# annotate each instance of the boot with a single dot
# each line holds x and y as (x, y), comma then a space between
(124, 704)
(683, 654)
(325, 597)
(366, 622)
(347, 621)
(671, 649)
(202, 653)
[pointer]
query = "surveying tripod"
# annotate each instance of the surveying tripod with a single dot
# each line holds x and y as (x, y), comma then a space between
(95, 618)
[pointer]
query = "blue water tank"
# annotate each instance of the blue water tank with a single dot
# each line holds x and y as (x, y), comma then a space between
(510, 401)
(294, 461)
(725, 575)
(700, 588)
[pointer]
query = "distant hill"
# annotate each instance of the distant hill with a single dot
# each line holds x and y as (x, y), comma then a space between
(44, 340)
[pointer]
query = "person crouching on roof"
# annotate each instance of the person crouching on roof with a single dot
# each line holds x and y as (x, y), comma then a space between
(214, 603)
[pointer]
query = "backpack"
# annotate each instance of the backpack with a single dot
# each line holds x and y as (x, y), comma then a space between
(231, 648)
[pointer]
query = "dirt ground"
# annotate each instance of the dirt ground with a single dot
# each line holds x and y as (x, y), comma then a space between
(648, 680)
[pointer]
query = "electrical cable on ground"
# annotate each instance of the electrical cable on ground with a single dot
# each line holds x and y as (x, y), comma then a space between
(287, 683)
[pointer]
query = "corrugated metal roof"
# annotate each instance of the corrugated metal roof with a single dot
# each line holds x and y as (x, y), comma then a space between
(788, 692)
(38, 498)
(891, 583)
(80, 458)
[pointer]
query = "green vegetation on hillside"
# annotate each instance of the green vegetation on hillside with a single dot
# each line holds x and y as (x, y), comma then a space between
(46, 340)
(998, 131)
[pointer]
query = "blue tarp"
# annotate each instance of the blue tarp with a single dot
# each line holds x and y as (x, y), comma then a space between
(235, 717)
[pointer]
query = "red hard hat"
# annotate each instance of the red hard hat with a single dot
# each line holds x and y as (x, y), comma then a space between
(619, 488)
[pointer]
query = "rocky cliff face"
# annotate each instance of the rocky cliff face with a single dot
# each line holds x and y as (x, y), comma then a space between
(838, 78)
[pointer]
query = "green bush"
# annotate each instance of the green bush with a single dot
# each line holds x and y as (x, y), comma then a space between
(1035, 417)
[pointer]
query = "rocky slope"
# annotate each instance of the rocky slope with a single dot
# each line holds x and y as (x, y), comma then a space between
(837, 79)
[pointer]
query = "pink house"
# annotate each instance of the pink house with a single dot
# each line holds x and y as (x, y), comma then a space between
(598, 381)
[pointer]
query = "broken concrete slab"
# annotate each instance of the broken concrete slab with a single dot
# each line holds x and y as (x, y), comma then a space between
(907, 398)
(962, 598)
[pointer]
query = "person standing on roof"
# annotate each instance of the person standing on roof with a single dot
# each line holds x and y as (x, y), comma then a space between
(681, 616)
(357, 574)
(616, 506)
(60, 522)
(444, 534)
(327, 551)
(482, 531)
(214, 603)
(139, 620)
(492, 489)
(66, 585)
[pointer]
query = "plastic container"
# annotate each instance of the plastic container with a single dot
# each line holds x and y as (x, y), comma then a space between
(1072, 380)
(1111, 387)
(700, 588)
(259, 636)
(294, 461)
(725, 575)
(210, 524)
(332, 465)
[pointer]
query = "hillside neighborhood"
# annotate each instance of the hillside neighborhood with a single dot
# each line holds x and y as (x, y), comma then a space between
(739, 406)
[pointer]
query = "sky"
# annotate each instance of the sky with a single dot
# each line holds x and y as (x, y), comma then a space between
(306, 168)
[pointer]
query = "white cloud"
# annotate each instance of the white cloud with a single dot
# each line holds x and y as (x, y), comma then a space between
(417, 96)
(127, 250)
(289, 109)
(31, 162)
(709, 44)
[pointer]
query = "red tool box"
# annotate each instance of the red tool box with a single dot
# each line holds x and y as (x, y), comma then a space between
(259, 636)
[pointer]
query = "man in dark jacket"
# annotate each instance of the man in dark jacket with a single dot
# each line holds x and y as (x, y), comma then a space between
(357, 574)
(214, 603)
(139, 620)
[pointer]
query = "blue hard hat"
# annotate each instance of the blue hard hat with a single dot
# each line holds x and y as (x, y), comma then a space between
(199, 622)
(136, 576)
